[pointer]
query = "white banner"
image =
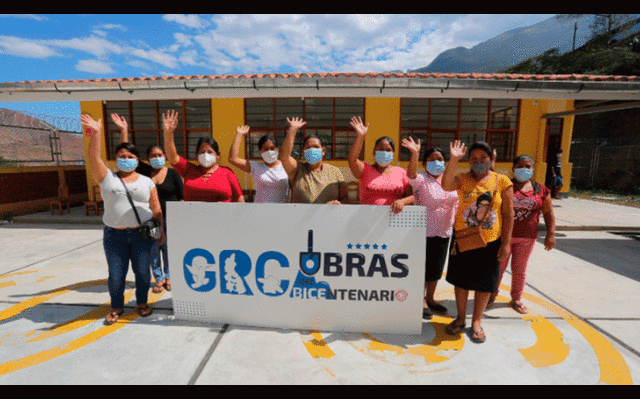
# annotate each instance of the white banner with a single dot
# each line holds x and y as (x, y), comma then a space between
(356, 268)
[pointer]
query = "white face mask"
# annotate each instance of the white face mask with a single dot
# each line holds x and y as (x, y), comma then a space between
(207, 159)
(270, 156)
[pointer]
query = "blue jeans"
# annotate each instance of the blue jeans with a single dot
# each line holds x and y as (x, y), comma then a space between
(155, 262)
(120, 246)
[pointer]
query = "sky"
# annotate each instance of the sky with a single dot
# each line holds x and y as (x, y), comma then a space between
(92, 46)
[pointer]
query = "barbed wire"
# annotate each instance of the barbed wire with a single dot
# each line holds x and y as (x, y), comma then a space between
(40, 121)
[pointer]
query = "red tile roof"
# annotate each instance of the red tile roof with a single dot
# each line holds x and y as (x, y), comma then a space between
(472, 76)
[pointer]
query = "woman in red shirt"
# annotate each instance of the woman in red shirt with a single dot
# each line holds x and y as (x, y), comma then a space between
(529, 199)
(209, 181)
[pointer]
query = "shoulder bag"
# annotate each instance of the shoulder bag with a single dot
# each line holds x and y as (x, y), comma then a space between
(471, 237)
(151, 229)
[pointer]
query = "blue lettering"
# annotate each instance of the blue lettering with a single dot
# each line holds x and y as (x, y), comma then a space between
(235, 265)
(270, 285)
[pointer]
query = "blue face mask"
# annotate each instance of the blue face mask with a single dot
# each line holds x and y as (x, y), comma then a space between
(126, 164)
(384, 158)
(435, 168)
(481, 168)
(157, 163)
(313, 155)
(522, 174)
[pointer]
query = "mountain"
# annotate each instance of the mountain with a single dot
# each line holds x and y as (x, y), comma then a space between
(512, 47)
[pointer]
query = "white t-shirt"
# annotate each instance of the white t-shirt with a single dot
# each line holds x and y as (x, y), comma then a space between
(117, 209)
(272, 184)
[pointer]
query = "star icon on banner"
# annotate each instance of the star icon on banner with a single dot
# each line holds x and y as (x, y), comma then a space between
(367, 246)
(349, 246)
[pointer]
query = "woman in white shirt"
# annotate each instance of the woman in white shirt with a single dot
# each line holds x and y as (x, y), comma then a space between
(123, 241)
(269, 177)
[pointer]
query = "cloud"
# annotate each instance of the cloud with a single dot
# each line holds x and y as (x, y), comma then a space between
(157, 56)
(94, 66)
(12, 45)
(25, 16)
(190, 20)
(96, 46)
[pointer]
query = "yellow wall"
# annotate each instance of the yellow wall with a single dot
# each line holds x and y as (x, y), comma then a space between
(94, 109)
(383, 116)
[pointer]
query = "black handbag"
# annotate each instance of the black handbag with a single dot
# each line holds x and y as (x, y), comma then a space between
(151, 229)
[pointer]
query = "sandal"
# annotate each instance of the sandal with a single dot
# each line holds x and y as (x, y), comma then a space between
(114, 315)
(167, 285)
(158, 287)
(436, 307)
(145, 310)
(475, 336)
(454, 329)
(519, 307)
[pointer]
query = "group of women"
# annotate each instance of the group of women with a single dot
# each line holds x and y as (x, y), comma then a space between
(507, 211)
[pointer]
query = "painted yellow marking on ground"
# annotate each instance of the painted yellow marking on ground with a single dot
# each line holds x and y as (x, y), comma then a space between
(12, 283)
(550, 348)
(613, 368)
(36, 300)
(52, 353)
(441, 348)
(317, 347)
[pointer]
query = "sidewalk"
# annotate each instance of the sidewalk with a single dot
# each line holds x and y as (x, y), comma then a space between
(583, 325)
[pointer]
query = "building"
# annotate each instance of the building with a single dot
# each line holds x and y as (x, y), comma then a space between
(517, 114)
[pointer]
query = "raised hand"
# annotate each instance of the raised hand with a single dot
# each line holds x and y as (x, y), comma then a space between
(88, 121)
(242, 130)
(170, 121)
(296, 123)
(411, 145)
(457, 149)
(120, 121)
(358, 126)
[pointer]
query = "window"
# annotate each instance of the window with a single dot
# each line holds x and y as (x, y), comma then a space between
(439, 121)
(327, 118)
(145, 124)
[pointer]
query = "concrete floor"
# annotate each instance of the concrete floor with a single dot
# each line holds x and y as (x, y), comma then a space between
(583, 325)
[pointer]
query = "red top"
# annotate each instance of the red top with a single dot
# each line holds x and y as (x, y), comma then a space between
(527, 207)
(379, 189)
(221, 186)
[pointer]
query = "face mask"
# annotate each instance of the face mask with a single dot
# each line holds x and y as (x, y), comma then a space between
(126, 164)
(481, 168)
(157, 163)
(313, 155)
(435, 167)
(384, 158)
(207, 159)
(270, 156)
(522, 174)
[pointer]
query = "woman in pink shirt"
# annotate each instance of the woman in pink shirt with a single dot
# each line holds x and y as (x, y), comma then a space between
(209, 181)
(380, 183)
(441, 210)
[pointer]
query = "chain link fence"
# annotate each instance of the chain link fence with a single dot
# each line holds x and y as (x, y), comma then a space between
(607, 166)
(28, 139)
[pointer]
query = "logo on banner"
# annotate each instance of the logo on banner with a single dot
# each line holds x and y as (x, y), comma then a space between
(235, 266)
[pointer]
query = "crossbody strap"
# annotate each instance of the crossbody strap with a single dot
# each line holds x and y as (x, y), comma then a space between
(130, 200)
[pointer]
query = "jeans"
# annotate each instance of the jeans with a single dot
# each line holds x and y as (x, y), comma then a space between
(120, 246)
(155, 262)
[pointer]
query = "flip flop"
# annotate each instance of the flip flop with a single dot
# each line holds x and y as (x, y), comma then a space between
(519, 307)
(158, 287)
(436, 307)
(145, 310)
(115, 315)
(478, 339)
(454, 329)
